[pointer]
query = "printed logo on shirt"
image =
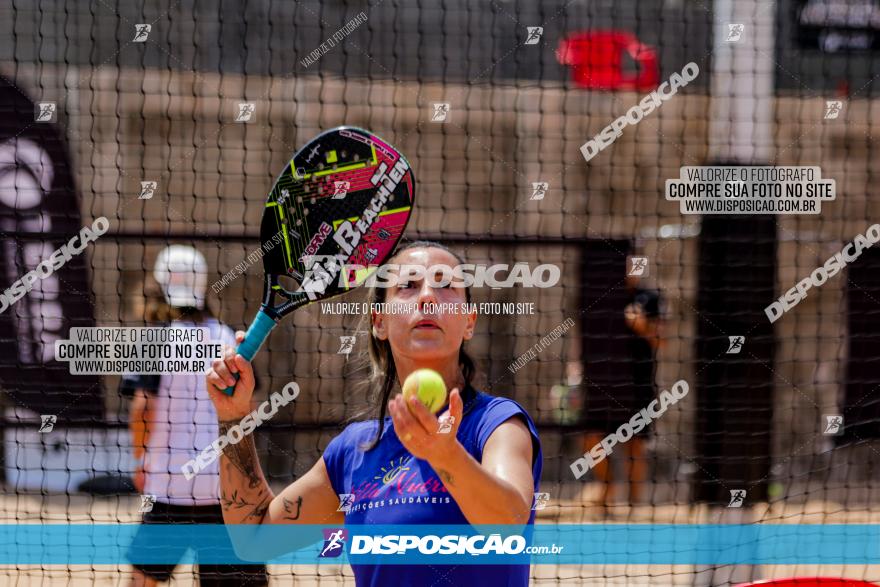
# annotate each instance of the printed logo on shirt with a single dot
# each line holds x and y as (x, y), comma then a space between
(393, 470)
(397, 485)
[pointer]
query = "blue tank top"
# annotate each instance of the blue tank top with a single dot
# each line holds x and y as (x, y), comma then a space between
(390, 486)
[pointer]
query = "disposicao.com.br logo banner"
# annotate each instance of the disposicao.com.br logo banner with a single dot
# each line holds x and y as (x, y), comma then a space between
(703, 544)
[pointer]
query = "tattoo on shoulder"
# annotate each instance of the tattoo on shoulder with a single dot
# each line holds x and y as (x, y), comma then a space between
(288, 507)
(445, 477)
(243, 455)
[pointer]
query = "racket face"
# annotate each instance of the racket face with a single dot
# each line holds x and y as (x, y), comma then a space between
(343, 200)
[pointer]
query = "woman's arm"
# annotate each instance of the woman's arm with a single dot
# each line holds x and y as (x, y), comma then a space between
(308, 500)
(499, 490)
(245, 495)
(247, 499)
(139, 425)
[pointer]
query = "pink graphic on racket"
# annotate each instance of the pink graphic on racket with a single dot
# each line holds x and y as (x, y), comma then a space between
(344, 199)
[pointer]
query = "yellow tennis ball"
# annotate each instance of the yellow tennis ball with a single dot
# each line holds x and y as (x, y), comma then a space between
(428, 386)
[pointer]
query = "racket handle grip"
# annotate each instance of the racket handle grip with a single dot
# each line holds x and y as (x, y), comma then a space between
(253, 339)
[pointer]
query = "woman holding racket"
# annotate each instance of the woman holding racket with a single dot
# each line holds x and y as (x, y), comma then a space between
(400, 468)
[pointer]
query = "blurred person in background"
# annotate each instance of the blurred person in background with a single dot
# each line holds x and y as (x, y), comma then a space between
(154, 310)
(172, 419)
(642, 316)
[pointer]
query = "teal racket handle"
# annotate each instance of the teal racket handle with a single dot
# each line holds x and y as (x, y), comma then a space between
(253, 339)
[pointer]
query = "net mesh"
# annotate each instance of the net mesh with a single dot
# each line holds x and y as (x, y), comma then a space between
(172, 121)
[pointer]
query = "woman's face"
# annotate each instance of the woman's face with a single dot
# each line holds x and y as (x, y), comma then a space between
(416, 332)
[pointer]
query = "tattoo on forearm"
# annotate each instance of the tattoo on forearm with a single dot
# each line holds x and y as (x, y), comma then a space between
(259, 511)
(242, 455)
(288, 507)
(446, 477)
(233, 501)
(237, 502)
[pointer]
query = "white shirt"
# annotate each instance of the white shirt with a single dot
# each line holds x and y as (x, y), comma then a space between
(182, 424)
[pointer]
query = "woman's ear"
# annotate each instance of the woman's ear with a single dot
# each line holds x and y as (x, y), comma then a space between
(471, 324)
(379, 329)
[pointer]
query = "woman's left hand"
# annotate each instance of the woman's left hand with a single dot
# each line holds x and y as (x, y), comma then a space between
(420, 431)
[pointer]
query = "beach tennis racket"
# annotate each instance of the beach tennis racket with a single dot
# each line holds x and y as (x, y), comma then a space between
(335, 213)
